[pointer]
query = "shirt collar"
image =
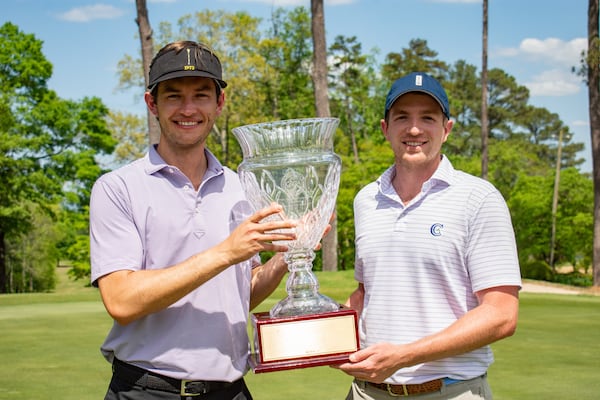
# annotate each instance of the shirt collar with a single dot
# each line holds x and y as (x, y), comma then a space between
(154, 163)
(444, 174)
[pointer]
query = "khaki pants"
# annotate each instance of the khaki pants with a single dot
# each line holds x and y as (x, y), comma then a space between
(473, 389)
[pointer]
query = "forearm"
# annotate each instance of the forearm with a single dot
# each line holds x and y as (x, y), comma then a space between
(129, 295)
(266, 278)
(356, 299)
(486, 324)
(494, 319)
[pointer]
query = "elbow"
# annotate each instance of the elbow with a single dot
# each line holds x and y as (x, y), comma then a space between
(119, 314)
(508, 327)
(511, 328)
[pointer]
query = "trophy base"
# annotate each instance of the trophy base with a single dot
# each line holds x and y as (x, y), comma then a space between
(282, 343)
(292, 306)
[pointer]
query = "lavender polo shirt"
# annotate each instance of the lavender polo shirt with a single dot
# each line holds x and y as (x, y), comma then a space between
(147, 215)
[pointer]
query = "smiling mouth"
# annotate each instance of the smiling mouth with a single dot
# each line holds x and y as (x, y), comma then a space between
(187, 123)
(414, 144)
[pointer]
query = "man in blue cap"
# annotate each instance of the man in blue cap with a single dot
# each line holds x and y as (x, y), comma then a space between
(436, 262)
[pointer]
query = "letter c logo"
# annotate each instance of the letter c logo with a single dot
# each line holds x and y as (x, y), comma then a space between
(436, 229)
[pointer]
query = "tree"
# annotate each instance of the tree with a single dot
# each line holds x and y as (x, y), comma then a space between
(531, 200)
(417, 57)
(319, 77)
(463, 94)
(145, 32)
(484, 95)
(47, 145)
(350, 80)
(319, 71)
(593, 79)
(269, 72)
(131, 133)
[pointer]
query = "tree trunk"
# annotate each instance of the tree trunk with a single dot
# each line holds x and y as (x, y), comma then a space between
(319, 74)
(484, 95)
(555, 199)
(319, 77)
(3, 272)
(145, 32)
(593, 69)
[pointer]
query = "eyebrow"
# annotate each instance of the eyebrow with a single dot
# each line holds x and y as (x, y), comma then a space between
(199, 87)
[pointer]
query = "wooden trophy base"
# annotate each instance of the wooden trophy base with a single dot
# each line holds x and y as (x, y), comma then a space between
(303, 341)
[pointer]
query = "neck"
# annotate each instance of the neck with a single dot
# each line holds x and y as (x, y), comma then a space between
(191, 162)
(408, 180)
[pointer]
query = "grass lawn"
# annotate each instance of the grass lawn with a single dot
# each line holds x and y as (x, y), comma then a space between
(49, 349)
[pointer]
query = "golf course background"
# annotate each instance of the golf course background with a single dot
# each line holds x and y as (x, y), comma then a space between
(49, 348)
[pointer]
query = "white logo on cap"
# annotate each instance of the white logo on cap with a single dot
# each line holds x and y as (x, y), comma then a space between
(189, 67)
(419, 80)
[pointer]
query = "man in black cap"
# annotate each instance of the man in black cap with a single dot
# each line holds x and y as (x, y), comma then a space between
(436, 262)
(174, 247)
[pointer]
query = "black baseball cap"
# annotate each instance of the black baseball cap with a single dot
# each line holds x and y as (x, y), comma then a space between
(191, 60)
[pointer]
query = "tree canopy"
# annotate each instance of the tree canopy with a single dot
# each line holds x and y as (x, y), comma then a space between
(51, 146)
(48, 147)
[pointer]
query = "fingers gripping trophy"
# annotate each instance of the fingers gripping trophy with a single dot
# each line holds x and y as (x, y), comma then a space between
(292, 163)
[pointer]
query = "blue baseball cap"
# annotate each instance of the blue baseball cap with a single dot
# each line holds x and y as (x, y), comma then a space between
(418, 82)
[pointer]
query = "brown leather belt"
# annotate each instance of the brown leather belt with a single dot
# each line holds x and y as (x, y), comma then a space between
(408, 390)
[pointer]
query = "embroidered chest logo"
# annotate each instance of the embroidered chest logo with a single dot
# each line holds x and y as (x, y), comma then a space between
(436, 229)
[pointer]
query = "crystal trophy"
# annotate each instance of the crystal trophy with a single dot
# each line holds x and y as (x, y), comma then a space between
(292, 163)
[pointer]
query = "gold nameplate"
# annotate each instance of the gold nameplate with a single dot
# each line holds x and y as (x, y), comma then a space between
(303, 341)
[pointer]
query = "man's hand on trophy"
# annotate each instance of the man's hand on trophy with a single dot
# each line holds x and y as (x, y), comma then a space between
(257, 234)
(327, 230)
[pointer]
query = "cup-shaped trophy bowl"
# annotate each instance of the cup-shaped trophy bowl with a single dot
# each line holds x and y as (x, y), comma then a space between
(292, 163)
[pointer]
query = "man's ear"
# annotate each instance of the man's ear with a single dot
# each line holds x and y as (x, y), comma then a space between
(149, 99)
(384, 128)
(221, 102)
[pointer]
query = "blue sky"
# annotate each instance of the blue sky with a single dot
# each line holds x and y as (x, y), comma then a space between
(536, 41)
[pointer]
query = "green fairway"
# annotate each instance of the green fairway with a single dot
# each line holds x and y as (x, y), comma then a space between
(50, 349)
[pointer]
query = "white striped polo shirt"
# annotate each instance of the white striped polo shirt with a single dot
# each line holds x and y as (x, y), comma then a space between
(422, 263)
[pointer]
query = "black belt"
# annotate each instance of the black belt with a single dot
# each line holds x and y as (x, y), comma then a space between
(139, 376)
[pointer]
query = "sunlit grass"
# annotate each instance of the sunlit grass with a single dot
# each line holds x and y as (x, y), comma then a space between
(50, 342)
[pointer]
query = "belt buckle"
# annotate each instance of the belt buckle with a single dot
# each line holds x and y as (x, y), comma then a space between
(391, 393)
(184, 390)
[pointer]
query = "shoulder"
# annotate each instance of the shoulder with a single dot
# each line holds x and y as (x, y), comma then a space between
(473, 185)
(119, 179)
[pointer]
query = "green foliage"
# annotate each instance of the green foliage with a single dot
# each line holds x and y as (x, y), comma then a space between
(268, 71)
(131, 133)
(530, 203)
(539, 270)
(47, 157)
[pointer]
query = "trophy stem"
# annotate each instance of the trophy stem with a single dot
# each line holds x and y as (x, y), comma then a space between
(302, 288)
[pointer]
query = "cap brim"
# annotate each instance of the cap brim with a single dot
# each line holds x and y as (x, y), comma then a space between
(183, 74)
(412, 90)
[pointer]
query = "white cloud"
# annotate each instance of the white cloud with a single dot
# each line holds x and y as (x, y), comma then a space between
(89, 13)
(555, 82)
(580, 122)
(553, 59)
(553, 50)
(550, 51)
(283, 3)
(457, 1)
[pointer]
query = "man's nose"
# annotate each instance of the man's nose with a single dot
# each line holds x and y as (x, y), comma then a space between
(413, 128)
